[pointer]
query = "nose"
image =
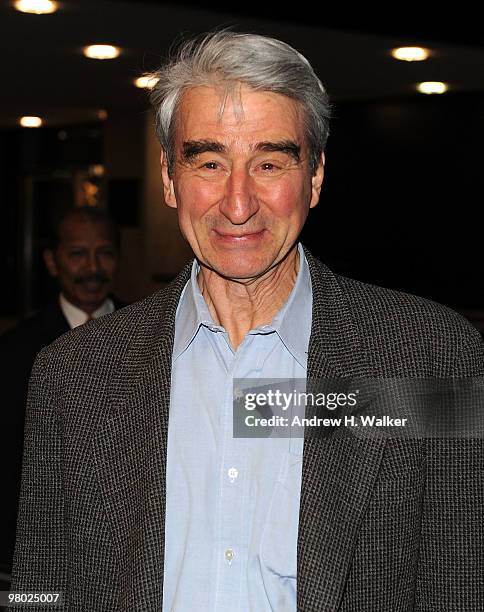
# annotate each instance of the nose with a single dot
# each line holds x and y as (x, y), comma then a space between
(240, 202)
(93, 262)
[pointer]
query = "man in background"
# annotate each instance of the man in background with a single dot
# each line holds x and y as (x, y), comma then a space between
(83, 258)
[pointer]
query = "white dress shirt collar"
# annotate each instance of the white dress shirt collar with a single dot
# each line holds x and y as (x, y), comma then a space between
(75, 316)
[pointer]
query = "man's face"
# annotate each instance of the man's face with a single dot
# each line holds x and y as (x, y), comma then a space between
(84, 263)
(242, 181)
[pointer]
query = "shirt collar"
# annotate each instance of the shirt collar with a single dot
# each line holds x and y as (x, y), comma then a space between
(192, 311)
(292, 323)
(75, 316)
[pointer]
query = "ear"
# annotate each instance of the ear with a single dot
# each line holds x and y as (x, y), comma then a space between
(50, 263)
(168, 187)
(317, 182)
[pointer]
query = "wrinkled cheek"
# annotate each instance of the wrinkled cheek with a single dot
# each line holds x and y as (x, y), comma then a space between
(194, 211)
(191, 224)
(285, 201)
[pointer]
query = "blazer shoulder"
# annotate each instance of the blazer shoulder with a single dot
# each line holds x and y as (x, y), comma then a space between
(391, 303)
(103, 341)
(109, 326)
(390, 309)
(410, 324)
(91, 353)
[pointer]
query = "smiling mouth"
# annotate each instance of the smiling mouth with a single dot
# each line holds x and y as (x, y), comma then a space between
(239, 237)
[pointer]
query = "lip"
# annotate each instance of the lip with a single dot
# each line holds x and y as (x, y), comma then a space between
(92, 285)
(248, 237)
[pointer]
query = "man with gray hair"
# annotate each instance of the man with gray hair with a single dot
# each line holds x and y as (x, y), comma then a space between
(136, 494)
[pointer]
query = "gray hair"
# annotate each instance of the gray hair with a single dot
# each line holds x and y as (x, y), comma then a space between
(228, 57)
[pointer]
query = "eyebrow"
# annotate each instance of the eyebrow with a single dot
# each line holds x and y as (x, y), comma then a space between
(284, 146)
(192, 148)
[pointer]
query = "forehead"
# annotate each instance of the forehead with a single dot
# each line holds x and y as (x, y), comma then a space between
(79, 230)
(238, 114)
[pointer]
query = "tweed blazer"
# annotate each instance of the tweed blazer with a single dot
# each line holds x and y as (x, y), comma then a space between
(18, 349)
(388, 525)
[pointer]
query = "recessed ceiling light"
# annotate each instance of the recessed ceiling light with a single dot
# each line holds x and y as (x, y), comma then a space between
(31, 122)
(410, 54)
(101, 52)
(432, 87)
(37, 7)
(146, 82)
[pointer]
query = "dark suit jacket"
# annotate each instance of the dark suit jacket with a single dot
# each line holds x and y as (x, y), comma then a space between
(18, 350)
(386, 525)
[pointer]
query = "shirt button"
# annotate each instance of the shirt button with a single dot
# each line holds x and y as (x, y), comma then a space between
(229, 555)
(233, 473)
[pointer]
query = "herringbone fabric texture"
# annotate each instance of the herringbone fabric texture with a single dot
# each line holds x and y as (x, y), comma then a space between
(385, 525)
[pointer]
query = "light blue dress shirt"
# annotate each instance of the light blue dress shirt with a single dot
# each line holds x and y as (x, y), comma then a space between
(232, 504)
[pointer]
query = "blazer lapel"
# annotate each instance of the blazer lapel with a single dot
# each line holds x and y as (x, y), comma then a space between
(130, 449)
(338, 469)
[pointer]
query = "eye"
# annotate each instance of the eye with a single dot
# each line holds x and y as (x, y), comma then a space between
(271, 168)
(210, 165)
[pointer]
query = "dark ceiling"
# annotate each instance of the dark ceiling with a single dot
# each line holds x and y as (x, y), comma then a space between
(456, 25)
(44, 72)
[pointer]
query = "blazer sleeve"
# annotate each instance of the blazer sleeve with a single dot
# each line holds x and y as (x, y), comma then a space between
(451, 562)
(40, 549)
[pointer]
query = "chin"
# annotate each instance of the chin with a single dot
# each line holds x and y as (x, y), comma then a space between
(239, 269)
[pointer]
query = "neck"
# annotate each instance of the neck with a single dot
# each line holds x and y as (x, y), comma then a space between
(239, 306)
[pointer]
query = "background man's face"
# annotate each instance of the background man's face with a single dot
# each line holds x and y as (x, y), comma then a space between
(242, 181)
(84, 263)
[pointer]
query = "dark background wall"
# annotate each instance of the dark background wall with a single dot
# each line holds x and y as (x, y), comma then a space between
(37, 178)
(401, 200)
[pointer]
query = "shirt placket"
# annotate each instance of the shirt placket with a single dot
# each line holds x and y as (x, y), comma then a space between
(233, 511)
